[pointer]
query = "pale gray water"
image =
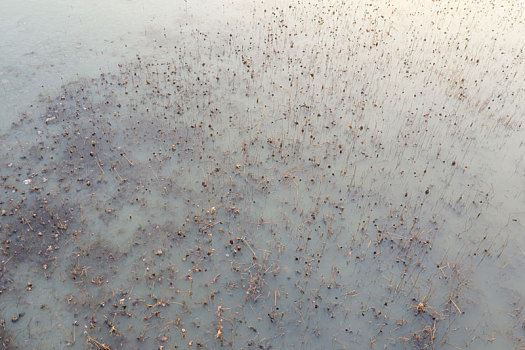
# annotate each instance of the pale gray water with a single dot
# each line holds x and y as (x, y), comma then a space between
(262, 175)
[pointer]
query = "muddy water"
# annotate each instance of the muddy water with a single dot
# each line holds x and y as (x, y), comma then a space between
(260, 175)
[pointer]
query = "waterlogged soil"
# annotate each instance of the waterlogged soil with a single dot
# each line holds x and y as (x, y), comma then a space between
(301, 177)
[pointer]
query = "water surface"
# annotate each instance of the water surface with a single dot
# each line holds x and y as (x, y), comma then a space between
(262, 175)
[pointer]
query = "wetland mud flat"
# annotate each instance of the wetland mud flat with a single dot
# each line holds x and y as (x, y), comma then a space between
(264, 175)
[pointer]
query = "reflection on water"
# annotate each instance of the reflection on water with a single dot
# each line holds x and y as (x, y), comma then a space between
(255, 175)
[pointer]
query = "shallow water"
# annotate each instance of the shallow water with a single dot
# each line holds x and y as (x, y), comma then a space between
(262, 175)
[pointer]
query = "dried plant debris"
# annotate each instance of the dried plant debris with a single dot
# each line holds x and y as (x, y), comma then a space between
(259, 193)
